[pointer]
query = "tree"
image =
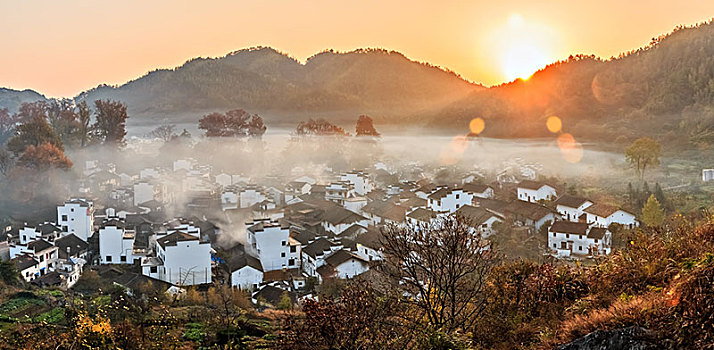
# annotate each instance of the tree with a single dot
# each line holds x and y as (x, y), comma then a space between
(164, 132)
(8, 273)
(6, 161)
(84, 118)
(319, 127)
(442, 267)
(31, 110)
(7, 125)
(652, 212)
(33, 132)
(365, 127)
(110, 124)
(642, 153)
(62, 117)
(44, 157)
(234, 123)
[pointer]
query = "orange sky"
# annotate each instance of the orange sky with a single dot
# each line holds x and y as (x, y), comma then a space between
(60, 48)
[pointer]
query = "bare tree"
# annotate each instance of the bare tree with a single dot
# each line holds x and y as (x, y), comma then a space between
(441, 267)
(164, 132)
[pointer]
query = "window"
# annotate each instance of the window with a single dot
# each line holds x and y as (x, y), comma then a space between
(595, 240)
(72, 210)
(153, 269)
(109, 258)
(122, 258)
(284, 243)
(567, 235)
(553, 234)
(293, 249)
(291, 262)
(580, 248)
(42, 258)
(457, 196)
(554, 245)
(282, 255)
(64, 229)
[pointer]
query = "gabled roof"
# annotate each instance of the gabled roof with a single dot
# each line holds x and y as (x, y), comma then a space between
(571, 201)
(441, 193)
(273, 295)
(528, 210)
(602, 210)
(341, 256)
(23, 262)
(39, 245)
(475, 188)
(174, 238)
(532, 185)
(476, 215)
(75, 244)
(597, 232)
(494, 205)
(422, 214)
(282, 275)
(339, 215)
(352, 230)
(318, 247)
(372, 238)
(246, 260)
(576, 228)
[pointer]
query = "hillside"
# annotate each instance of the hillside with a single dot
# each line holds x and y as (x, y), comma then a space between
(264, 80)
(665, 89)
(12, 99)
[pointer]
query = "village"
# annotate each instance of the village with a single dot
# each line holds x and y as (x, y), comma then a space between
(272, 236)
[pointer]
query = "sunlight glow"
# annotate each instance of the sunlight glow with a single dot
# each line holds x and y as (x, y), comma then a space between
(477, 125)
(523, 46)
(554, 124)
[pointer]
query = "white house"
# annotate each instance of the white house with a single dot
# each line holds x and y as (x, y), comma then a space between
(338, 219)
(315, 253)
(224, 179)
(530, 214)
(369, 246)
(360, 182)
(355, 204)
(77, 216)
(145, 191)
(27, 267)
(229, 198)
(338, 192)
(342, 264)
(116, 243)
(571, 207)
(446, 200)
(181, 259)
(533, 191)
(271, 243)
(602, 215)
(44, 252)
(247, 273)
(478, 190)
(250, 195)
(480, 218)
(567, 238)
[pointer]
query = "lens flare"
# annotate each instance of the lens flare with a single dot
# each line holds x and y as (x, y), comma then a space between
(571, 150)
(448, 157)
(565, 140)
(554, 124)
(477, 125)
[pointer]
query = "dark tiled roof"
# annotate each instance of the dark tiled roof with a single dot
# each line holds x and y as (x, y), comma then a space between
(476, 215)
(74, 243)
(475, 188)
(39, 245)
(577, 228)
(597, 232)
(422, 214)
(528, 210)
(570, 201)
(342, 256)
(246, 260)
(23, 262)
(339, 215)
(531, 185)
(174, 238)
(372, 238)
(318, 247)
(602, 210)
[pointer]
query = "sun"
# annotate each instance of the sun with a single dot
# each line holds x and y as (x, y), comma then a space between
(523, 46)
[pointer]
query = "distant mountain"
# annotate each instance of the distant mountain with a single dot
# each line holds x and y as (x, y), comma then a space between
(12, 99)
(264, 80)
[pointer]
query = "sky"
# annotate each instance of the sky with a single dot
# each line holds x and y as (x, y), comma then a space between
(60, 48)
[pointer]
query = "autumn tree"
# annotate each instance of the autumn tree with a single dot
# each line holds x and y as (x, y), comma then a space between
(84, 118)
(44, 157)
(365, 127)
(234, 123)
(62, 117)
(319, 127)
(164, 132)
(33, 132)
(31, 110)
(442, 267)
(110, 124)
(642, 153)
(652, 212)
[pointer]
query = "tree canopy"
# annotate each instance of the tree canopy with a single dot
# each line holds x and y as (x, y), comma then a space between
(365, 127)
(652, 212)
(319, 127)
(234, 123)
(110, 124)
(642, 153)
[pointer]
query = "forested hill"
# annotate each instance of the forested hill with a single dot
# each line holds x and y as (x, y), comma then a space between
(665, 89)
(262, 79)
(12, 99)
